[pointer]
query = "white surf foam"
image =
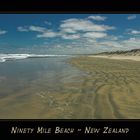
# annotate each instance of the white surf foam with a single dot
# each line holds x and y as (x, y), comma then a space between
(5, 57)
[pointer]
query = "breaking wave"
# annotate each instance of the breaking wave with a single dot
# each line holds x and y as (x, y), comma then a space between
(5, 57)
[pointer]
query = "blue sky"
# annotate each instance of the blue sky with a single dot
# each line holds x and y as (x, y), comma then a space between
(68, 33)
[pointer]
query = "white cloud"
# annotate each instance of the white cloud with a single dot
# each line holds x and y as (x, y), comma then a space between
(22, 29)
(132, 41)
(112, 37)
(44, 33)
(68, 30)
(48, 34)
(113, 44)
(74, 29)
(128, 44)
(97, 18)
(95, 35)
(31, 28)
(2, 32)
(135, 32)
(83, 25)
(74, 36)
(87, 45)
(37, 29)
(131, 17)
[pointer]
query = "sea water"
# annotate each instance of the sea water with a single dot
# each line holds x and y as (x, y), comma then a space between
(52, 72)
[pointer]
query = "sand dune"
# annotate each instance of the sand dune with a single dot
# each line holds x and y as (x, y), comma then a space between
(119, 57)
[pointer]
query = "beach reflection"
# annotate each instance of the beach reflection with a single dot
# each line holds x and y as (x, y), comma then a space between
(37, 88)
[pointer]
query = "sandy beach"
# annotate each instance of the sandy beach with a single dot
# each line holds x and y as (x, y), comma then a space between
(111, 86)
(82, 88)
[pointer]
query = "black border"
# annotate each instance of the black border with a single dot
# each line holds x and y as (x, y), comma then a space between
(60, 6)
(132, 125)
(69, 6)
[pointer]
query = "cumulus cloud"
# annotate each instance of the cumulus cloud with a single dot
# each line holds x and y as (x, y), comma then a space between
(87, 45)
(82, 32)
(67, 30)
(48, 34)
(128, 44)
(113, 44)
(37, 29)
(44, 33)
(131, 17)
(83, 25)
(97, 18)
(2, 32)
(112, 37)
(132, 41)
(31, 28)
(132, 32)
(22, 29)
(74, 36)
(85, 28)
(95, 35)
(73, 28)
(135, 32)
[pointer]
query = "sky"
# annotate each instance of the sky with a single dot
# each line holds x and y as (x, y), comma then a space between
(68, 33)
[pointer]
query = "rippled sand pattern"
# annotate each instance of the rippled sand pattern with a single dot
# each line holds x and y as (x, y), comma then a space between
(114, 87)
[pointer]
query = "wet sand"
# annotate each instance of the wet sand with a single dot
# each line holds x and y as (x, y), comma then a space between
(40, 89)
(113, 87)
(92, 88)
